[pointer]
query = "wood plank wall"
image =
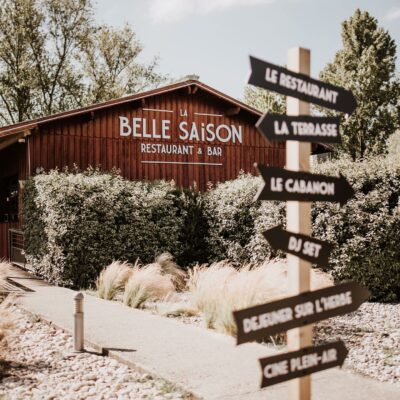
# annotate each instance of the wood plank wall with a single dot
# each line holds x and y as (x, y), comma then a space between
(93, 139)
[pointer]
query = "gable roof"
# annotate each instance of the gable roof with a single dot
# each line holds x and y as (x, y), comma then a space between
(10, 134)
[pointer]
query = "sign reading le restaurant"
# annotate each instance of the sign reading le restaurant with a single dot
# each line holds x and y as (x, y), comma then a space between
(289, 83)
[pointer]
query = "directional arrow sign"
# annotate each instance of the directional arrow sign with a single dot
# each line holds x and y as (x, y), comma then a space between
(289, 83)
(302, 128)
(300, 363)
(309, 249)
(258, 322)
(281, 184)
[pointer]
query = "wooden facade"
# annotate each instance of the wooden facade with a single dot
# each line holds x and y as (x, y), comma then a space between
(211, 136)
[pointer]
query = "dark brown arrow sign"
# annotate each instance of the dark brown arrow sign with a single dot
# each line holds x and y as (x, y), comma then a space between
(303, 128)
(309, 249)
(289, 83)
(300, 363)
(258, 322)
(281, 184)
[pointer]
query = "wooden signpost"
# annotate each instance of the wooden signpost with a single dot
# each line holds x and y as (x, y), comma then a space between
(299, 187)
(302, 128)
(259, 322)
(281, 184)
(298, 84)
(303, 246)
(303, 362)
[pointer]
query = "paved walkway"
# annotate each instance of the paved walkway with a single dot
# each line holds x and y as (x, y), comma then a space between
(206, 363)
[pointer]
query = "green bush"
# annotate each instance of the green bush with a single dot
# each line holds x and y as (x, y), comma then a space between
(231, 211)
(79, 222)
(365, 231)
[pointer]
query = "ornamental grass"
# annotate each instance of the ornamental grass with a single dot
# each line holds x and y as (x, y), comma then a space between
(112, 279)
(220, 289)
(147, 283)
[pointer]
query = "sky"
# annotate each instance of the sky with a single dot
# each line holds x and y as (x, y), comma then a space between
(213, 38)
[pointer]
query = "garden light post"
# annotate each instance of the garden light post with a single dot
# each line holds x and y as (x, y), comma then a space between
(78, 323)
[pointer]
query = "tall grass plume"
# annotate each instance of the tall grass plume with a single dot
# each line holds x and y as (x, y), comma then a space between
(112, 279)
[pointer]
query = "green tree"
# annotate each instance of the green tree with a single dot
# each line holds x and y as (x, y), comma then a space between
(366, 66)
(111, 67)
(264, 100)
(54, 58)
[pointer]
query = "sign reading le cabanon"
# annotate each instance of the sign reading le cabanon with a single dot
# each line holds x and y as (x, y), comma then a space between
(281, 184)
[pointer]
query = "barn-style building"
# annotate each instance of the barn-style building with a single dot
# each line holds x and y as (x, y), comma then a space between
(187, 131)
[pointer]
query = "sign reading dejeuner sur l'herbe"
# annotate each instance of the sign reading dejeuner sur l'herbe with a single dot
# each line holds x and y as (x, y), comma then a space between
(281, 184)
(302, 128)
(258, 322)
(300, 363)
(303, 246)
(281, 80)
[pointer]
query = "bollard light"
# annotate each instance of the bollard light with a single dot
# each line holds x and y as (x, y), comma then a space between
(78, 323)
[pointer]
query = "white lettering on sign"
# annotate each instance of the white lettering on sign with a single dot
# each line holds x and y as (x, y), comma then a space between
(308, 248)
(336, 300)
(314, 129)
(161, 129)
(329, 356)
(267, 319)
(276, 369)
(310, 187)
(310, 89)
(303, 362)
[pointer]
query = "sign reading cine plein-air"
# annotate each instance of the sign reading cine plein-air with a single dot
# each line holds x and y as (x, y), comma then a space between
(258, 322)
(281, 80)
(281, 184)
(302, 362)
(302, 128)
(303, 246)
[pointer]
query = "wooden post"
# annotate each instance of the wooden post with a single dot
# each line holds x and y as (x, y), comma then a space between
(298, 219)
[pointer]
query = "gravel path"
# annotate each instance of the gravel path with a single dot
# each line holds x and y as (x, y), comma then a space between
(42, 366)
(372, 336)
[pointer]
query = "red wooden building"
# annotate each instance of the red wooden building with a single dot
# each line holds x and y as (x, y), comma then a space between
(186, 131)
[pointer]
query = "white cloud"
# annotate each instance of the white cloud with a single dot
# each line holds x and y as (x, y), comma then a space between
(392, 14)
(174, 10)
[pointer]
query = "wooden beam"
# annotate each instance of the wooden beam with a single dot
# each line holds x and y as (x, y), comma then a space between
(298, 220)
(232, 111)
(142, 102)
(11, 139)
(194, 89)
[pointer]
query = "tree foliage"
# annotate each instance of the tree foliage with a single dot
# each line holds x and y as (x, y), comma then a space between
(53, 57)
(366, 66)
(264, 100)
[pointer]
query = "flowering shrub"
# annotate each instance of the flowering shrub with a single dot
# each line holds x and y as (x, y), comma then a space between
(76, 223)
(365, 231)
(231, 211)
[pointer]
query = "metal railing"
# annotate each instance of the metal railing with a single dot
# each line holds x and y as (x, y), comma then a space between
(16, 246)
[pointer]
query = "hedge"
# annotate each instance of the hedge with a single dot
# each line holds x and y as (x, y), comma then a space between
(76, 223)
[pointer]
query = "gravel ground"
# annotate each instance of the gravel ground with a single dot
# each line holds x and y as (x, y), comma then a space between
(372, 336)
(41, 365)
